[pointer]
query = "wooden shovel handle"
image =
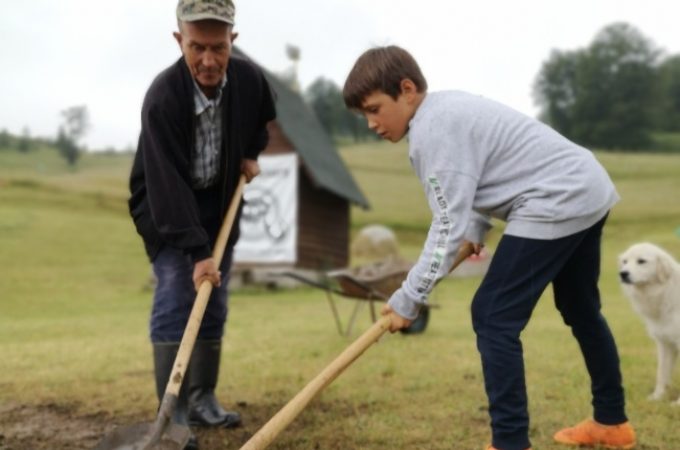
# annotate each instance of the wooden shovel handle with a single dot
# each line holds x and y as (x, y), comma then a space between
(202, 297)
(463, 252)
(288, 413)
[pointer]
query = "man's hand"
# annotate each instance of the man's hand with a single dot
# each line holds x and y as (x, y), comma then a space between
(250, 168)
(397, 322)
(206, 270)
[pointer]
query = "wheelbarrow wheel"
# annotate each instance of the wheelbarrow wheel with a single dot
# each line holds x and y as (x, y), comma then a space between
(418, 325)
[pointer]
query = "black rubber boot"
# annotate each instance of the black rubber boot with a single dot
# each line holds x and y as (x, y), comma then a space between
(163, 359)
(204, 409)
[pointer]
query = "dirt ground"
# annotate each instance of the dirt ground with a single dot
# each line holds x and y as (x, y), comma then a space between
(49, 426)
(60, 427)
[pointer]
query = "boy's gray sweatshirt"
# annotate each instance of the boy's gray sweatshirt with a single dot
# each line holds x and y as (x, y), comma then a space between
(478, 159)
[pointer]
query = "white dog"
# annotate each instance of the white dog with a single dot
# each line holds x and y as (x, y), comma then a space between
(650, 277)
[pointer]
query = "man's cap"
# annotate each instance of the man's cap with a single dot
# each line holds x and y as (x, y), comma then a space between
(193, 10)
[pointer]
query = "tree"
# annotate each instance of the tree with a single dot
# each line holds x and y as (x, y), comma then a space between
(5, 141)
(67, 147)
(25, 143)
(76, 123)
(555, 89)
(667, 95)
(601, 96)
(358, 127)
(325, 98)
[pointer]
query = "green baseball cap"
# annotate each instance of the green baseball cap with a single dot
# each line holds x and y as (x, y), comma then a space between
(193, 10)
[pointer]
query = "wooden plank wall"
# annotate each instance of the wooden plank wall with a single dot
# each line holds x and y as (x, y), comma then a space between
(323, 236)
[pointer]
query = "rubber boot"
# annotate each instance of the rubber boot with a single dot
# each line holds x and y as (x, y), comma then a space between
(163, 360)
(204, 409)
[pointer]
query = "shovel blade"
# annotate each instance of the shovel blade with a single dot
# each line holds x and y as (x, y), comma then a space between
(140, 436)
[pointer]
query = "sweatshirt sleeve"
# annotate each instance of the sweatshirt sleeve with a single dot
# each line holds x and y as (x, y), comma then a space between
(450, 195)
(479, 225)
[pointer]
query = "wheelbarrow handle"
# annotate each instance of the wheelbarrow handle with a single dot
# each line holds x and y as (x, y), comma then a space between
(290, 411)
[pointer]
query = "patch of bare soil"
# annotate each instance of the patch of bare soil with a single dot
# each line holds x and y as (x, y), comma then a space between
(60, 427)
(50, 426)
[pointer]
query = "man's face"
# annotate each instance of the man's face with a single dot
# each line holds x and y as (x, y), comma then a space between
(206, 46)
(388, 117)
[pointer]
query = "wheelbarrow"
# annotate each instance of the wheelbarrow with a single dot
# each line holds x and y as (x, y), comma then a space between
(370, 282)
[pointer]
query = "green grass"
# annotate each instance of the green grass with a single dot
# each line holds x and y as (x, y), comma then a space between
(74, 309)
(666, 142)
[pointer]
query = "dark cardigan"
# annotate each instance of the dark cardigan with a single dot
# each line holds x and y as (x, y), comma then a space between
(163, 205)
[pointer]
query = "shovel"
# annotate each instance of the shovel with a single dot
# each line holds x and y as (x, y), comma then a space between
(290, 411)
(163, 434)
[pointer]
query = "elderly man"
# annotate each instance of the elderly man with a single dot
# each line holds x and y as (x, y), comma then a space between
(203, 124)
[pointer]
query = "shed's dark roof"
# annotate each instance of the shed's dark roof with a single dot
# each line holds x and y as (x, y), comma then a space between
(303, 129)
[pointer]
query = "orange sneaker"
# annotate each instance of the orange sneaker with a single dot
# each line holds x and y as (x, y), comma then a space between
(592, 434)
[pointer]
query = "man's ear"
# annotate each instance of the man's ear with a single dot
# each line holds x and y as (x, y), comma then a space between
(178, 37)
(234, 36)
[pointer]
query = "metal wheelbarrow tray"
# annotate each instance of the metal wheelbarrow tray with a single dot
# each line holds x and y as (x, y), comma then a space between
(370, 282)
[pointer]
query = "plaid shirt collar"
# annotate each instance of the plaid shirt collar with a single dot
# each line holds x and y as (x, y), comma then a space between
(201, 102)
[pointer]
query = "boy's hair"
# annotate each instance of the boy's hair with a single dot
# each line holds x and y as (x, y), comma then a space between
(381, 69)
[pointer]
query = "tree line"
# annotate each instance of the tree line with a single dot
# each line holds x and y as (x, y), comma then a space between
(619, 92)
(74, 126)
(615, 94)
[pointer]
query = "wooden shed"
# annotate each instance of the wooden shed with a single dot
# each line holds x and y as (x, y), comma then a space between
(325, 186)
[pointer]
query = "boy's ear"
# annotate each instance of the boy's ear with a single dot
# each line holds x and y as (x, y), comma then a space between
(408, 88)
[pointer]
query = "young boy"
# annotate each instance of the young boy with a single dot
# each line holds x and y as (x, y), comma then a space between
(478, 159)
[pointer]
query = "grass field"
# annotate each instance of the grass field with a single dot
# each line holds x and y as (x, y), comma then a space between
(75, 357)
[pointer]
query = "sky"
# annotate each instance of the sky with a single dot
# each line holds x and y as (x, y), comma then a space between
(57, 54)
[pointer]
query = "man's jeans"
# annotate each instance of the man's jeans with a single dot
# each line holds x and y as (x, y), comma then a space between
(175, 294)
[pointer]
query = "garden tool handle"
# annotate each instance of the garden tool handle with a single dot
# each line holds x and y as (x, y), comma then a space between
(285, 416)
(186, 346)
(464, 251)
(290, 411)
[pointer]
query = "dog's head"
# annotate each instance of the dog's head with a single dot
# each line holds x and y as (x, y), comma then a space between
(644, 264)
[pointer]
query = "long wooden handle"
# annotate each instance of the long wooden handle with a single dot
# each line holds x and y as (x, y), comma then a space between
(202, 297)
(463, 252)
(288, 413)
(285, 416)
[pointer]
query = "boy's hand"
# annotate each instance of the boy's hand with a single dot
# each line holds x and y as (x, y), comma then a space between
(397, 322)
(206, 270)
(476, 248)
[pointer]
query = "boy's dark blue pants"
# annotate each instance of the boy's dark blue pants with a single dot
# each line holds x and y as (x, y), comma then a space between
(175, 294)
(520, 271)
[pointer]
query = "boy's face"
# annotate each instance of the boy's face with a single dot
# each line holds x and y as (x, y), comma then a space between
(388, 117)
